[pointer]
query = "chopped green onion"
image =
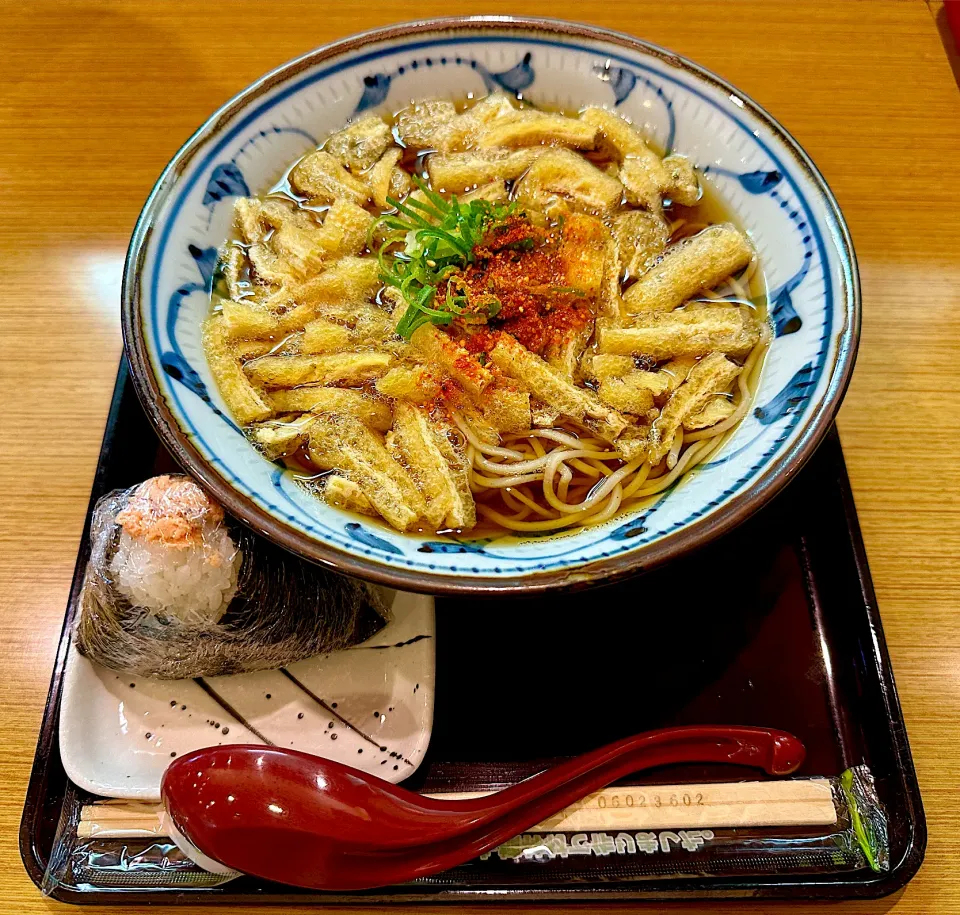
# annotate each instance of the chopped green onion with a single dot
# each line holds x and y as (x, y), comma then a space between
(432, 252)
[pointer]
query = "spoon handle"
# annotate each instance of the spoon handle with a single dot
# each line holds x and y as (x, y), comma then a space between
(542, 795)
(520, 807)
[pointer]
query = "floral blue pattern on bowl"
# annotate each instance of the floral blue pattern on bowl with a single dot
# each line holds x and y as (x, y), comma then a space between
(779, 197)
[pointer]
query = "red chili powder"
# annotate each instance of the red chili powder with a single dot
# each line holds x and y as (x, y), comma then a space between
(519, 263)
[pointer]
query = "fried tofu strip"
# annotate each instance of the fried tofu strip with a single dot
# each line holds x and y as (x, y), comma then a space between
(494, 192)
(455, 173)
(640, 237)
(610, 303)
(710, 376)
(338, 368)
(461, 132)
(462, 514)
(617, 135)
(380, 177)
(324, 336)
(564, 357)
(244, 401)
(628, 394)
(657, 383)
(349, 279)
(535, 128)
(445, 487)
(294, 252)
(246, 219)
(634, 442)
(400, 183)
(589, 262)
(604, 367)
(345, 494)
(371, 324)
(581, 253)
(688, 267)
(683, 186)
(676, 370)
(254, 217)
(714, 411)
(248, 321)
(552, 389)
(360, 144)
(280, 438)
(294, 318)
(305, 250)
(439, 349)
(601, 366)
(269, 267)
(233, 259)
(560, 173)
(542, 416)
(290, 251)
(643, 181)
(724, 328)
(344, 230)
(251, 349)
(641, 170)
(322, 178)
(418, 124)
(471, 414)
(416, 384)
(342, 442)
(507, 407)
(320, 399)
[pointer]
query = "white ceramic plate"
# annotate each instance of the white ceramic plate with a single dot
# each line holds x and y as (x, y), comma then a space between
(370, 707)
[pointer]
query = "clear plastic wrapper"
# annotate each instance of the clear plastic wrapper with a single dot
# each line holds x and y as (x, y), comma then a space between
(174, 589)
(139, 857)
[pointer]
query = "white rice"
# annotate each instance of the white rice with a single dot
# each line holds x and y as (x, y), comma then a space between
(193, 583)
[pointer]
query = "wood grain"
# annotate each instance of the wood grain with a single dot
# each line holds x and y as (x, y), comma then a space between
(94, 98)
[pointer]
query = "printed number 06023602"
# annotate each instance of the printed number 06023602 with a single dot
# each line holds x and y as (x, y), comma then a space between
(654, 800)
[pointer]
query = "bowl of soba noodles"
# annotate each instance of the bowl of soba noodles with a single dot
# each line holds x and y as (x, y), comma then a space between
(490, 304)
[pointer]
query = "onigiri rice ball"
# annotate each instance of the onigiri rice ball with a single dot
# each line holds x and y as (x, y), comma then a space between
(174, 555)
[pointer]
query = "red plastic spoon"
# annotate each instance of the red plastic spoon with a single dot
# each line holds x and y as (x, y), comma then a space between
(311, 822)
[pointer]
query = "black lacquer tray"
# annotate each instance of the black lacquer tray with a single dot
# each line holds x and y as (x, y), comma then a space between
(775, 624)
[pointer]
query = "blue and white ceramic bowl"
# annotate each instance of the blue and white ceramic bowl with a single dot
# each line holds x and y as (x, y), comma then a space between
(772, 185)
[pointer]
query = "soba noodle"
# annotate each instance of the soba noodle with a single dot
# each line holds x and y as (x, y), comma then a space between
(547, 485)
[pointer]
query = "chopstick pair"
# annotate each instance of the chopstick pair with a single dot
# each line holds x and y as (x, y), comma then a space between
(798, 802)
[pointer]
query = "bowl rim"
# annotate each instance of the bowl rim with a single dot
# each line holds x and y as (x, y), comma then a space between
(770, 481)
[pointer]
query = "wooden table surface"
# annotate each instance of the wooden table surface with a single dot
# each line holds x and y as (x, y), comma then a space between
(95, 97)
